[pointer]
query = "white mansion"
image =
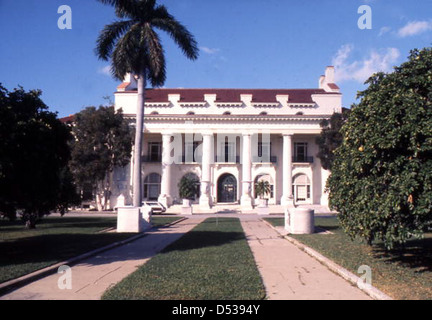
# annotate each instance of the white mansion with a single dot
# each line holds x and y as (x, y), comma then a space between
(228, 139)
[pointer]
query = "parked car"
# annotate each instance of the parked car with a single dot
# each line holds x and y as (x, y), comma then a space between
(157, 208)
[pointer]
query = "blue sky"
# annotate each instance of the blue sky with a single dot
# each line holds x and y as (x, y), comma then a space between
(244, 44)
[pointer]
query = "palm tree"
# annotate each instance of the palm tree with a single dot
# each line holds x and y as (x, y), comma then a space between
(262, 188)
(134, 47)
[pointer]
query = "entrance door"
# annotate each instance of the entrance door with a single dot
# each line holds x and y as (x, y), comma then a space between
(227, 188)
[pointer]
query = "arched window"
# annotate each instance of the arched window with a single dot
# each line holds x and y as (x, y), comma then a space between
(264, 113)
(152, 186)
(227, 113)
(190, 113)
(154, 113)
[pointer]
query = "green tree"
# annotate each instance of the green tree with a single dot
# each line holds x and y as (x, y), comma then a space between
(331, 137)
(103, 141)
(187, 187)
(135, 47)
(34, 152)
(381, 182)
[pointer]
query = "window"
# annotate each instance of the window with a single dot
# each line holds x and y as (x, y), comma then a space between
(192, 153)
(152, 186)
(227, 152)
(300, 151)
(154, 151)
(264, 149)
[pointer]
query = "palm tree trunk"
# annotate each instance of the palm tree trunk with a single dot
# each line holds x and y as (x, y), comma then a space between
(137, 185)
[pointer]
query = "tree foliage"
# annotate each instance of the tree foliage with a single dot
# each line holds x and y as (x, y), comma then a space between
(103, 141)
(187, 187)
(262, 188)
(381, 182)
(34, 153)
(331, 137)
(134, 46)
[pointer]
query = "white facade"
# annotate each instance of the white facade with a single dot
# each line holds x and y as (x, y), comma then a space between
(229, 139)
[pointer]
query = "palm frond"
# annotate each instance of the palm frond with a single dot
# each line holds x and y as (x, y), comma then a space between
(108, 37)
(125, 57)
(132, 9)
(179, 33)
(126, 5)
(133, 44)
(155, 56)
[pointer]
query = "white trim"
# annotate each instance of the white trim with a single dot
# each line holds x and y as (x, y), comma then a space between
(193, 104)
(229, 104)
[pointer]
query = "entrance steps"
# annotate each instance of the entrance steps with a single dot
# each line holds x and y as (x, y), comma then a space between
(234, 208)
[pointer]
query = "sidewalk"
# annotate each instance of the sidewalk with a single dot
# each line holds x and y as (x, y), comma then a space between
(288, 273)
(91, 277)
(291, 274)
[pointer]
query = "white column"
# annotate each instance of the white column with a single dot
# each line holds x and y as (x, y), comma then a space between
(246, 200)
(165, 196)
(287, 196)
(205, 200)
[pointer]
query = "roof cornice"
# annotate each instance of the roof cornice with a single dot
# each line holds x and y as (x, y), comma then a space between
(230, 118)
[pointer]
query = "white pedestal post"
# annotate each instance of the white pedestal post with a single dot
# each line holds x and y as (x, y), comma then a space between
(133, 219)
(300, 220)
(186, 208)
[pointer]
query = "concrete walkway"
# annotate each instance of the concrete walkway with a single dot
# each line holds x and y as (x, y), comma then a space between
(91, 277)
(288, 273)
(291, 274)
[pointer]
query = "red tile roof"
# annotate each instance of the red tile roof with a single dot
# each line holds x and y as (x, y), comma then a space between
(123, 85)
(67, 119)
(233, 95)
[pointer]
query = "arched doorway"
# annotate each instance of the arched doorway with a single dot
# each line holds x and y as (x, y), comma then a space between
(152, 186)
(227, 188)
(301, 188)
(268, 178)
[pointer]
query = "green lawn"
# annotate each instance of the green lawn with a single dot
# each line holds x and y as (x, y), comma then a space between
(212, 262)
(55, 239)
(400, 274)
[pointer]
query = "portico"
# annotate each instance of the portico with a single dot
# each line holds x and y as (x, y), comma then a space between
(230, 139)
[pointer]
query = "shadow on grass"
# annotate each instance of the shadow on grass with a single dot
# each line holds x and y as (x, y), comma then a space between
(63, 222)
(416, 254)
(37, 251)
